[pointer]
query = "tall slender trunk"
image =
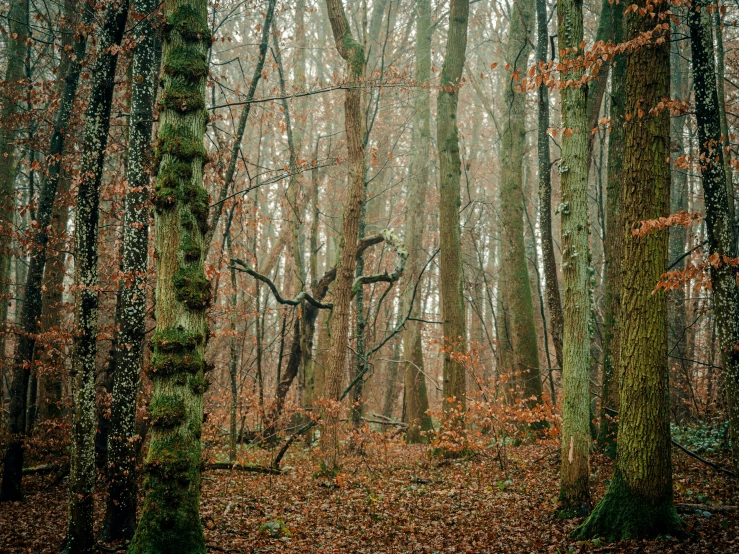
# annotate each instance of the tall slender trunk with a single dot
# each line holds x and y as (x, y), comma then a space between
(120, 508)
(720, 90)
(170, 518)
(554, 301)
(416, 395)
(574, 492)
(447, 138)
(613, 243)
(639, 501)
(11, 488)
(15, 53)
(519, 344)
(353, 53)
(719, 220)
(80, 536)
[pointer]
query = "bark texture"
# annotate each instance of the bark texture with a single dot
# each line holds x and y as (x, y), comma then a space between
(416, 395)
(447, 137)
(519, 351)
(120, 508)
(639, 502)
(170, 519)
(719, 220)
(80, 537)
(574, 492)
(353, 53)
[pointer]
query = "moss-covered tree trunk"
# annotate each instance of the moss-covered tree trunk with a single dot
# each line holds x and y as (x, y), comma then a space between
(80, 538)
(353, 53)
(554, 301)
(613, 243)
(11, 488)
(719, 220)
(574, 492)
(447, 137)
(170, 519)
(416, 396)
(12, 93)
(639, 502)
(120, 507)
(519, 350)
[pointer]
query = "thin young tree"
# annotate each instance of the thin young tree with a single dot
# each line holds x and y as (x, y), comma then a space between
(574, 492)
(639, 500)
(450, 171)
(170, 517)
(719, 221)
(416, 396)
(123, 443)
(353, 53)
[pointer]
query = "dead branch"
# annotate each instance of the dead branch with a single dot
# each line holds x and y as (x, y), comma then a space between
(242, 467)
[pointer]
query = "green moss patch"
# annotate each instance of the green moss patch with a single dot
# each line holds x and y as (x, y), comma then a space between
(167, 410)
(190, 24)
(188, 62)
(192, 287)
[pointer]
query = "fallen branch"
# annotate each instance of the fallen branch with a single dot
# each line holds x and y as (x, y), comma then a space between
(712, 508)
(45, 468)
(242, 467)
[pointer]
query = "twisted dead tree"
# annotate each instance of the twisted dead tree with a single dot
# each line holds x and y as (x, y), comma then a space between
(311, 304)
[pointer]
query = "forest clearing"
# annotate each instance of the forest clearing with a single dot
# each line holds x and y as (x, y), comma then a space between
(369, 276)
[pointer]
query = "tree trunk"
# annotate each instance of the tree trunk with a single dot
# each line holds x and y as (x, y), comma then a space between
(120, 508)
(639, 499)
(12, 488)
(719, 221)
(554, 301)
(519, 351)
(170, 519)
(613, 243)
(447, 137)
(13, 90)
(353, 53)
(80, 538)
(574, 492)
(416, 396)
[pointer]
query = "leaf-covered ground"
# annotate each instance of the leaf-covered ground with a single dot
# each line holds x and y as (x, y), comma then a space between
(392, 498)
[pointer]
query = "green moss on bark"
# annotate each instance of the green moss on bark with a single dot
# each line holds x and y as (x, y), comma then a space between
(186, 61)
(176, 339)
(167, 411)
(625, 514)
(192, 287)
(190, 24)
(179, 142)
(181, 98)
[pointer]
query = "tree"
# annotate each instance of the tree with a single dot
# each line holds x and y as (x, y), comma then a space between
(16, 50)
(353, 53)
(574, 492)
(12, 488)
(613, 242)
(519, 349)
(416, 397)
(123, 442)
(639, 500)
(719, 221)
(447, 138)
(170, 520)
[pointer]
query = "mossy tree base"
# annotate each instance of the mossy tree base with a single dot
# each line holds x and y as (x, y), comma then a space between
(623, 514)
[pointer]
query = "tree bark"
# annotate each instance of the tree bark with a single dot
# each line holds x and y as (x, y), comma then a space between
(11, 488)
(353, 53)
(519, 351)
(80, 537)
(574, 492)
(613, 242)
(13, 92)
(447, 138)
(416, 395)
(639, 499)
(121, 502)
(170, 519)
(719, 220)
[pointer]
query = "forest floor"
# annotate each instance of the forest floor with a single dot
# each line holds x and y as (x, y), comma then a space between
(392, 498)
